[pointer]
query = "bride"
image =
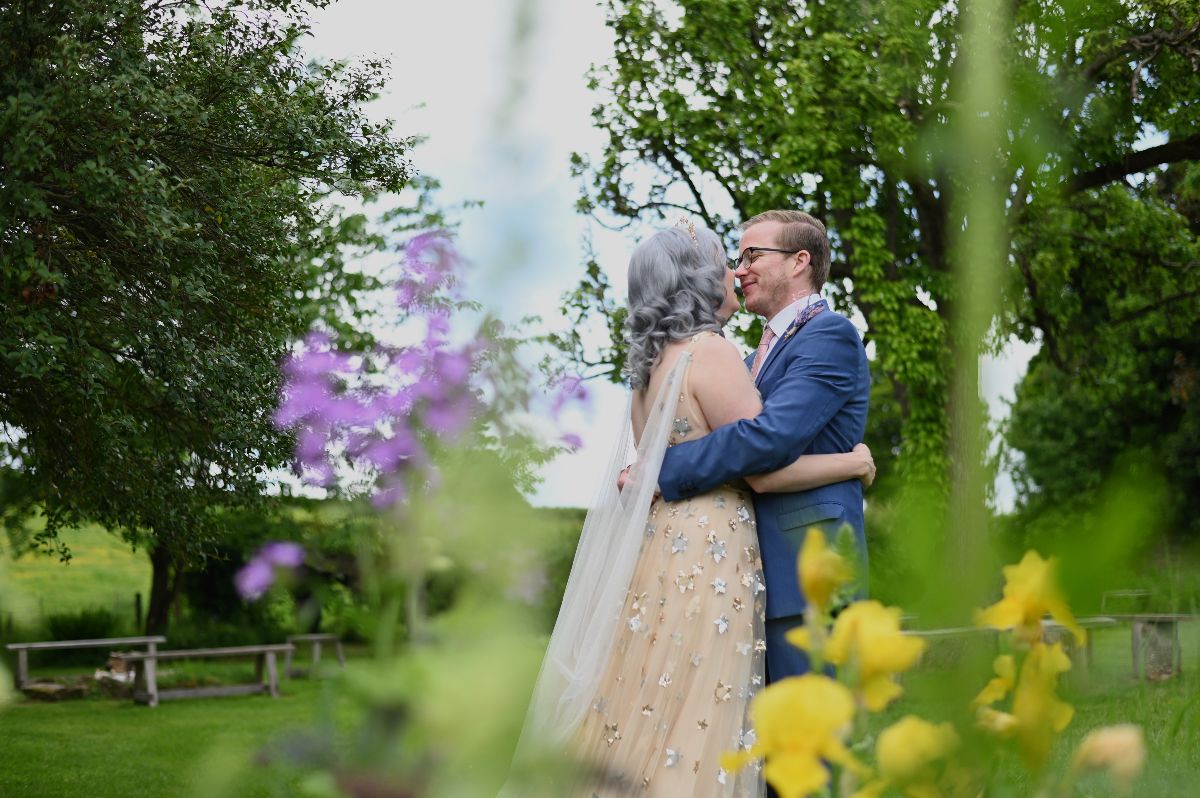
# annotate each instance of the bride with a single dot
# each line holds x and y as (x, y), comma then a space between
(658, 646)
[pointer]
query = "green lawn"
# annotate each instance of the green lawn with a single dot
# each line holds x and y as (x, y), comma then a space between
(207, 747)
(199, 748)
(103, 573)
(104, 748)
(1102, 696)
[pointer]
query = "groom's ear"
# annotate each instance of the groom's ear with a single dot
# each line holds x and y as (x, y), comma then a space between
(800, 262)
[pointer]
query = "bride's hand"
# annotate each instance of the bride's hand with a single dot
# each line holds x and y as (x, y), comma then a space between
(867, 474)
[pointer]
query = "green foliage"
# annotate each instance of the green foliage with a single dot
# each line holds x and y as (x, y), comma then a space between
(163, 238)
(854, 112)
(86, 624)
(1112, 395)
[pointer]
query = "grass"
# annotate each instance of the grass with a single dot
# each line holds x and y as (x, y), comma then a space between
(107, 748)
(1105, 695)
(103, 747)
(207, 747)
(103, 572)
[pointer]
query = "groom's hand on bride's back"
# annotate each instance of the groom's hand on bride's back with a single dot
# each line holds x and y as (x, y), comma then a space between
(624, 477)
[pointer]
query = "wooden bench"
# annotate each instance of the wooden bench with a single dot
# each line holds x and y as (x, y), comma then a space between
(315, 640)
(264, 656)
(1052, 632)
(151, 643)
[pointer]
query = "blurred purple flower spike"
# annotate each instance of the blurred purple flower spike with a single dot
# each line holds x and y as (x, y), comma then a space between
(564, 391)
(449, 418)
(341, 405)
(258, 575)
(388, 496)
(283, 554)
(254, 580)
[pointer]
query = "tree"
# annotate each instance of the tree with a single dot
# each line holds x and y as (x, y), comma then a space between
(164, 236)
(723, 109)
(1117, 390)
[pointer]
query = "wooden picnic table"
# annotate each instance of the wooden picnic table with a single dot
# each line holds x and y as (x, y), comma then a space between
(1160, 630)
(264, 654)
(150, 641)
(315, 640)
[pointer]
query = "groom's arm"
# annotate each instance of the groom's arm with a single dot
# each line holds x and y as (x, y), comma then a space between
(819, 380)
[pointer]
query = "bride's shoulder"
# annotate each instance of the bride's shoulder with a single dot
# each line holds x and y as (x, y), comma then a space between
(714, 351)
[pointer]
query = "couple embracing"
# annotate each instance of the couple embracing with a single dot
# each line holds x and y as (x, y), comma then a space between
(685, 583)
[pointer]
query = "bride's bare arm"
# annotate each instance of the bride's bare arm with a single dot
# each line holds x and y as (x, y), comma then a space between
(814, 470)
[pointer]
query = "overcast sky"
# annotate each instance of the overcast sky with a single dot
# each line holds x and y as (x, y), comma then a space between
(502, 114)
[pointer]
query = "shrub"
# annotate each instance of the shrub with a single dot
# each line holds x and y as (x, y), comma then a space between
(87, 624)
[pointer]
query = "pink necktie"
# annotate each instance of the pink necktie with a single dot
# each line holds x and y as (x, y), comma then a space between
(760, 354)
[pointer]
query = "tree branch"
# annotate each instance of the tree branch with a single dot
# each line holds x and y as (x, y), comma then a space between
(1134, 314)
(673, 159)
(1187, 149)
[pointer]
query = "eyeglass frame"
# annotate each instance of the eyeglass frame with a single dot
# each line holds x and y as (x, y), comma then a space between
(735, 263)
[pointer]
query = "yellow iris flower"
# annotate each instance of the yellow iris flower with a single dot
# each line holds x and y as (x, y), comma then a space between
(867, 642)
(908, 754)
(1030, 591)
(799, 722)
(822, 570)
(1037, 713)
(1001, 685)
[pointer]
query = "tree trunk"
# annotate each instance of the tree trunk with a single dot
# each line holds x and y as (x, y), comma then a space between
(164, 587)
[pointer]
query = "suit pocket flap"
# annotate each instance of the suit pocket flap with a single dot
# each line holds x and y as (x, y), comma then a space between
(812, 514)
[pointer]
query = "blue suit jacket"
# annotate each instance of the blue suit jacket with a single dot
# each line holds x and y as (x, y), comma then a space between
(815, 387)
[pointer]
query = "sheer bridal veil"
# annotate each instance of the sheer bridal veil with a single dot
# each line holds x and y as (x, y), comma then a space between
(605, 558)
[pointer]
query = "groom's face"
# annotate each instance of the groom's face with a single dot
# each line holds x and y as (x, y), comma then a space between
(766, 277)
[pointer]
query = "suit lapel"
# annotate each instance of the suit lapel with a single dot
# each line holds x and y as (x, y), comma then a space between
(791, 332)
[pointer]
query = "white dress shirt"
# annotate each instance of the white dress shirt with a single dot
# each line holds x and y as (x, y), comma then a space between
(784, 318)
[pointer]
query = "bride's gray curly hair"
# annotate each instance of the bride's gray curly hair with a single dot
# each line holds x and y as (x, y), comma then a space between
(676, 287)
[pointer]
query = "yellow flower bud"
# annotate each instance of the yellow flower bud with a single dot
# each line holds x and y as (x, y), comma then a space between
(822, 570)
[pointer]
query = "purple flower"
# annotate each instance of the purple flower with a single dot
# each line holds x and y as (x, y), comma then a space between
(572, 440)
(258, 575)
(448, 418)
(565, 391)
(388, 496)
(253, 580)
(283, 554)
(410, 361)
(406, 295)
(454, 367)
(378, 410)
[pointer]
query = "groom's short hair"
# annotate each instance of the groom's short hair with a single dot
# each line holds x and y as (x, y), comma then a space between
(800, 231)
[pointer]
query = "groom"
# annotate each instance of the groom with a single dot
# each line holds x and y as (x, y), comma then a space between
(812, 372)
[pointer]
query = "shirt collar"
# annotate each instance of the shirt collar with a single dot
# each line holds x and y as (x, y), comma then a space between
(784, 318)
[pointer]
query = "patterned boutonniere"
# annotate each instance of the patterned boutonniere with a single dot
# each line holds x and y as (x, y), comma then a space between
(802, 318)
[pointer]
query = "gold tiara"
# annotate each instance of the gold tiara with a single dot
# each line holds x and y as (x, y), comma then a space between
(687, 224)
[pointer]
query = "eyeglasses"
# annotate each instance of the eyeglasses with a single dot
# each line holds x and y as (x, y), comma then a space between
(739, 261)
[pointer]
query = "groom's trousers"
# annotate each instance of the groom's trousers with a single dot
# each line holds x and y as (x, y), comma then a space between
(784, 659)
